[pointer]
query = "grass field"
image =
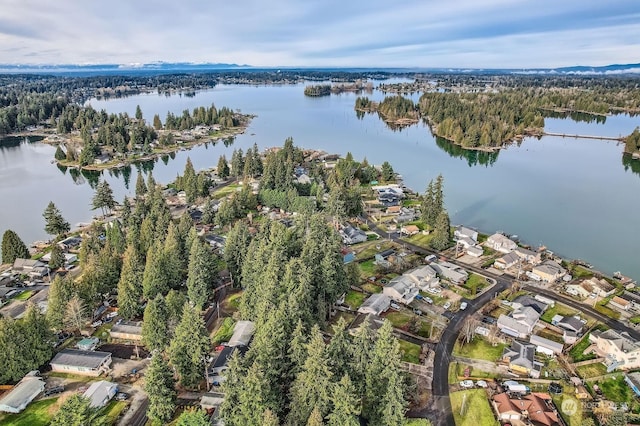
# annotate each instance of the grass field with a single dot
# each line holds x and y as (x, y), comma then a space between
(103, 331)
(38, 413)
(420, 240)
(591, 370)
(367, 269)
(224, 333)
(399, 319)
(471, 408)
(577, 352)
(479, 349)
(571, 420)
(606, 310)
(370, 248)
(232, 302)
(113, 410)
(371, 288)
(615, 389)
(475, 284)
(354, 299)
(557, 309)
(411, 351)
(25, 295)
(227, 190)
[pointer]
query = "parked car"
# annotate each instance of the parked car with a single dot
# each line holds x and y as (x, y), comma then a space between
(481, 384)
(463, 306)
(434, 290)
(96, 324)
(112, 314)
(555, 388)
(446, 305)
(430, 258)
(394, 306)
(419, 297)
(428, 300)
(54, 390)
(417, 311)
(467, 384)
(122, 396)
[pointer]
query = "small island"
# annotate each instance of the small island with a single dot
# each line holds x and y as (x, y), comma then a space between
(396, 111)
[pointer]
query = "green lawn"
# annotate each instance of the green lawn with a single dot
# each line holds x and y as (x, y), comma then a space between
(605, 310)
(420, 240)
(103, 331)
(635, 320)
(591, 370)
(474, 285)
(576, 418)
(224, 333)
(25, 295)
(458, 371)
(579, 272)
(471, 408)
(227, 190)
(577, 352)
(479, 349)
(417, 422)
(399, 319)
(354, 299)
(557, 309)
(411, 351)
(367, 269)
(368, 249)
(371, 288)
(615, 389)
(113, 410)
(38, 413)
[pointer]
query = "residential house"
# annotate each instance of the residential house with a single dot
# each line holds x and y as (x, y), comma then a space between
(464, 232)
(216, 370)
(520, 323)
(424, 277)
(529, 256)
(393, 210)
(102, 159)
(475, 251)
(373, 321)
(466, 242)
(405, 215)
(595, 286)
(409, 230)
(536, 409)
(385, 258)
(127, 330)
(88, 343)
(533, 302)
(451, 272)
(401, 289)
(17, 399)
(546, 346)
(388, 200)
(31, 267)
(569, 337)
(375, 304)
(86, 363)
(70, 243)
(549, 271)
(520, 358)
(303, 179)
(242, 334)
(574, 324)
(352, 235)
(507, 261)
(619, 303)
(500, 243)
(100, 393)
(69, 258)
(618, 349)
(582, 289)
(216, 241)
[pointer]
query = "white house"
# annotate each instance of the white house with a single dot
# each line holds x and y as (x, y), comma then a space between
(475, 251)
(86, 363)
(375, 304)
(507, 261)
(464, 232)
(451, 272)
(549, 271)
(100, 393)
(533, 257)
(500, 243)
(22, 394)
(424, 277)
(401, 289)
(618, 349)
(521, 322)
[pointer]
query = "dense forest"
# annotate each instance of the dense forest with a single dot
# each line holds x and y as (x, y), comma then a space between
(318, 90)
(394, 110)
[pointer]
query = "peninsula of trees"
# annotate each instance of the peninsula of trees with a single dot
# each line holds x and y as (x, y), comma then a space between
(394, 110)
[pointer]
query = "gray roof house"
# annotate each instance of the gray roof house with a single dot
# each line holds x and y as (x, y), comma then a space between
(451, 272)
(568, 323)
(521, 322)
(507, 261)
(100, 393)
(423, 277)
(127, 330)
(242, 333)
(532, 302)
(385, 258)
(401, 289)
(351, 235)
(546, 346)
(462, 231)
(521, 358)
(87, 363)
(375, 304)
(501, 243)
(533, 257)
(31, 267)
(405, 215)
(21, 394)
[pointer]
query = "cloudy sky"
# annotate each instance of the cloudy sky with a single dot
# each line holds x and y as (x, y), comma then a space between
(372, 33)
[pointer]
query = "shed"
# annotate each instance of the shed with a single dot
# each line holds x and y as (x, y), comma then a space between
(546, 346)
(22, 394)
(88, 343)
(127, 330)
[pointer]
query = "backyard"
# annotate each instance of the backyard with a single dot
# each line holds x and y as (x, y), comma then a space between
(591, 370)
(577, 352)
(224, 332)
(38, 413)
(474, 285)
(471, 408)
(420, 240)
(227, 190)
(354, 299)
(367, 268)
(575, 419)
(411, 351)
(479, 349)
(557, 309)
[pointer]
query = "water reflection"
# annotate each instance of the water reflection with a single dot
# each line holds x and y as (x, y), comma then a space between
(579, 117)
(10, 142)
(473, 157)
(630, 163)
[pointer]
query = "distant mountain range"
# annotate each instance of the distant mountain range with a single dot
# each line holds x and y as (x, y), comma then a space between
(166, 67)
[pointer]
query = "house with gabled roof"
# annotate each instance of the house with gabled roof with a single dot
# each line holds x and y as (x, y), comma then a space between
(500, 243)
(375, 304)
(507, 261)
(520, 358)
(619, 349)
(536, 409)
(464, 232)
(401, 289)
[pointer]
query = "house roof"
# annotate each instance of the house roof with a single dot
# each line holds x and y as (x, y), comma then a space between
(466, 232)
(522, 354)
(411, 228)
(621, 340)
(27, 264)
(78, 358)
(546, 343)
(571, 323)
(510, 323)
(223, 357)
(377, 302)
(620, 301)
(509, 259)
(23, 393)
(536, 406)
(423, 273)
(99, 392)
(526, 315)
(526, 300)
(401, 284)
(242, 333)
(475, 250)
(549, 267)
(386, 253)
(499, 239)
(602, 284)
(523, 252)
(127, 327)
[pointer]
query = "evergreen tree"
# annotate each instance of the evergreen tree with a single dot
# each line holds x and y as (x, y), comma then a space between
(442, 232)
(297, 352)
(54, 222)
(155, 327)
(160, 388)
(237, 163)
(77, 411)
(387, 172)
(129, 285)
(175, 301)
(60, 154)
(315, 418)
(13, 247)
(429, 209)
(194, 417)
(157, 124)
(141, 187)
(37, 337)
(174, 257)
(201, 273)
(138, 113)
(269, 418)
(223, 168)
(155, 279)
(57, 258)
(60, 292)
(189, 181)
(103, 198)
(235, 250)
(346, 404)
(312, 385)
(339, 349)
(189, 347)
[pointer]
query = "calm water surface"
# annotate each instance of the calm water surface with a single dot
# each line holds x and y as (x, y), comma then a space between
(573, 195)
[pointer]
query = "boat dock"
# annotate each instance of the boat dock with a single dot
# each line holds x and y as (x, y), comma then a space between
(564, 135)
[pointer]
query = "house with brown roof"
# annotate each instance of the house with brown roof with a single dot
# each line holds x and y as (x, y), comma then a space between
(536, 408)
(619, 303)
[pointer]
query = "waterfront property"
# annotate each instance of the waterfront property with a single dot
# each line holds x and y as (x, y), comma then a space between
(86, 363)
(500, 243)
(549, 271)
(618, 349)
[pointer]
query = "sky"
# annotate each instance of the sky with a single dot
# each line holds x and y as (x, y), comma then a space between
(323, 33)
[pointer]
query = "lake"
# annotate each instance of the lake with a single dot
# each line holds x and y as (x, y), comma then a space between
(575, 196)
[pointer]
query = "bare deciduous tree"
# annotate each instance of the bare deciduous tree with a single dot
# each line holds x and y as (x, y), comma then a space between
(76, 315)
